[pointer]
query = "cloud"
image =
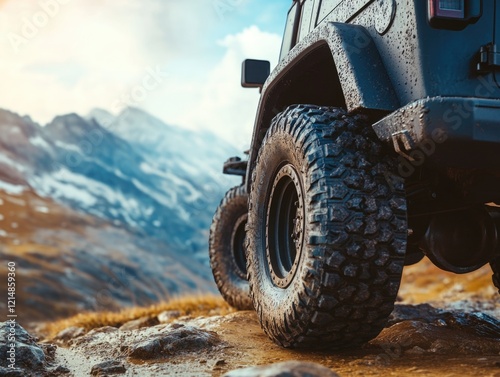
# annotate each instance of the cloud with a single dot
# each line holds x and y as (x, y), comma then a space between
(74, 55)
(220, 103)
(76, 59)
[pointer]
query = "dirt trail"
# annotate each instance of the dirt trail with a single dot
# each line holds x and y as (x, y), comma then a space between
(252, 347)
(244, 345)
(442, 325)
(419, 340)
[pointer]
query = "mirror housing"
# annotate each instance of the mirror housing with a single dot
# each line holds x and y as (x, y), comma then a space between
(254, 73)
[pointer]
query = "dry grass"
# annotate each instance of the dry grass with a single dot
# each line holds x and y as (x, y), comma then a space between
(194, 306)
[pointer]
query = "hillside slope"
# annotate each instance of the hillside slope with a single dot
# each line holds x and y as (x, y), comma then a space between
(106, 213)
(68, 262)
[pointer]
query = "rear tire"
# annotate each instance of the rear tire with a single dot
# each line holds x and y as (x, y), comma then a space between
(226, 248)
(326, 233)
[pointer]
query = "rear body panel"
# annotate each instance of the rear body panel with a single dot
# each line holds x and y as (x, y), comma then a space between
(424, 61)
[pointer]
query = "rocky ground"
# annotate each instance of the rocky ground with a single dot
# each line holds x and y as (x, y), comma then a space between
(458, 333)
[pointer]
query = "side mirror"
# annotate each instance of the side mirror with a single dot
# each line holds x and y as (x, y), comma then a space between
(254, 73)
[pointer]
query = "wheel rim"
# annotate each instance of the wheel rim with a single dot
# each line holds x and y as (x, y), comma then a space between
(238, 246)
(285, 224)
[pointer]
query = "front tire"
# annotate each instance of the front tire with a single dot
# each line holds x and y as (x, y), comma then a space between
(226, 248)
(326, 233)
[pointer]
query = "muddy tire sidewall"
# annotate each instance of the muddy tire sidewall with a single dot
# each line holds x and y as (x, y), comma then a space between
(229, 277)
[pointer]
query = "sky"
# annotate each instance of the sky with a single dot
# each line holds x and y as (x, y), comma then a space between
(180, 60)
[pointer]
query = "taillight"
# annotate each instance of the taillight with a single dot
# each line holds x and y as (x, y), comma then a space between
(449, 9)
(454, 14)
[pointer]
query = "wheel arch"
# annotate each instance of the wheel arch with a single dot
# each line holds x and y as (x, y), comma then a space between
(336, 65)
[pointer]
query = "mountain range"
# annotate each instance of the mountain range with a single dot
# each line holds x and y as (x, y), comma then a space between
(124, 193)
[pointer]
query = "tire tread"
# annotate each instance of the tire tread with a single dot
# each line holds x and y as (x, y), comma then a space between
(233, 288)
(355, 255)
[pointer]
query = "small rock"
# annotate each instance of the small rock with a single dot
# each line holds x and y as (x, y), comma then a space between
(406, 335)
(423, 313)
(108, 367)
(8, 372)
(479, 324)
(31, 358)
(286, 369)
(186, 339)
(169, 315)
(415, 351)
(49, 349)
(102, 330)
(21, 334)
(185, 318)
(140, 323)
(70, 333)
(27, 352)
(219, 364)
(92, 335)
(60, 371)
(146, 349)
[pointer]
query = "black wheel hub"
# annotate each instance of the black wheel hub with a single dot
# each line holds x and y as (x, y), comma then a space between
(238, 246)
(285, 226)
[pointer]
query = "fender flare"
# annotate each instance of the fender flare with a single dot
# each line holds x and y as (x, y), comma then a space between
(363, 80)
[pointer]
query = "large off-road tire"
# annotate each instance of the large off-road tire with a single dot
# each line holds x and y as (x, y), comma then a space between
(327, 229)
(227, 255)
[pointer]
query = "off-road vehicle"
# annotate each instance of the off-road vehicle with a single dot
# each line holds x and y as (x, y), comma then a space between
(376, 142)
